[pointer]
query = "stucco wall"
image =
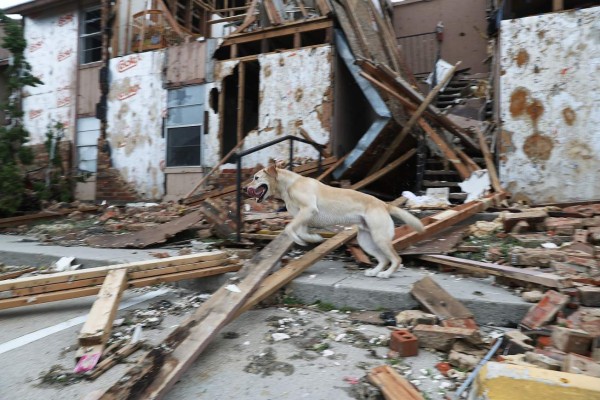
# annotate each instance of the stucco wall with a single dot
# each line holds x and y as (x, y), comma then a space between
(136, 106)
(52, 53)
(295, 90)
(550, 106)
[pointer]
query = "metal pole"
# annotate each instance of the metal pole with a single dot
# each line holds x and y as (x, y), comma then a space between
(239, 199)
(484, 360)
(290, 166)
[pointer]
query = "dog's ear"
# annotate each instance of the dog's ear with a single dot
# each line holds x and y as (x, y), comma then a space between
(271, 170)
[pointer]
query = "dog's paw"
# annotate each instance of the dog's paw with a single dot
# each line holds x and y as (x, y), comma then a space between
(371, 272)
(384, 274)
(313, 238)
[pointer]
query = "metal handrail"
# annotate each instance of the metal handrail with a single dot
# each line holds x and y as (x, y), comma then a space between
(242, 154)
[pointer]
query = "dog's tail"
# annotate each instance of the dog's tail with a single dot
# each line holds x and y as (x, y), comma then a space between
(407, 217)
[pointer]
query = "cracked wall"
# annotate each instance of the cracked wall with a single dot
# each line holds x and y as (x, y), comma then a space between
(295, 90)
(550, 96)
(136, 108)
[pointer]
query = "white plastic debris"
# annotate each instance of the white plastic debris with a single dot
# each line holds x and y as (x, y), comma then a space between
(549, 245)
(414, 201)
(328, 353)
(476, 186)
(280, 336)
(137, 334)
(64, 264)
(233, 288)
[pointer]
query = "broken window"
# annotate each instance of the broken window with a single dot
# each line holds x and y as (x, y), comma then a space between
(88, 132)
(185, 107)
(91, 35)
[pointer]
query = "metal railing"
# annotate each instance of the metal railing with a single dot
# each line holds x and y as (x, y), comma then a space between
(239, 155)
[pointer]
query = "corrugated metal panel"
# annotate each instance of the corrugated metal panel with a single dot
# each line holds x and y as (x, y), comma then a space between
(550, 102)
(88, 90)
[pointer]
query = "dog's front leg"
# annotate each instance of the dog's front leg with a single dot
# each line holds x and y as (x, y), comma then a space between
(298, 228)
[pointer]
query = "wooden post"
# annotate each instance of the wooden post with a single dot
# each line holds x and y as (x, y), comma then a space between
(489, 162)
(413, 119)
(240, 103)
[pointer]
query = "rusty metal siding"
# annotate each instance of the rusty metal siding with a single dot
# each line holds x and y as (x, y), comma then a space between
(136, 107)
(88, 90)
(52, 53)
(550, 106)
(186, 64)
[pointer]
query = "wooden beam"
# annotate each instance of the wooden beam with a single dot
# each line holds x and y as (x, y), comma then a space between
(558, 5)
(472, 165)
(302, 8)
(489, 162)
(332, 168)
(227, 19)
(293, 269)
(438, 301)
(393, 386)
(281, 30)
(16, 274)
(413, 119)
(70, 276)
(385, 170)
(98, 325)
(405, 236)
(241, 101)
(92, 290)
(272, 12)
(108, 362)
(249, 20)
(521, 274)
(158, 371)
(446, 149)
(323, 7)
(215, 168)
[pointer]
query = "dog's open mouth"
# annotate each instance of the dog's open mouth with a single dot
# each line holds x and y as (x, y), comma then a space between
(258, 193)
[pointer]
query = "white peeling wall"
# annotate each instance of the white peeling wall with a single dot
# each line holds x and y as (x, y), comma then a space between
(295, 90)
(550, 106)
(52, 53)
(136, 107)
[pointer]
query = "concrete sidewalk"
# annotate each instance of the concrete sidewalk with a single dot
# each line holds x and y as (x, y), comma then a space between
(326, 281)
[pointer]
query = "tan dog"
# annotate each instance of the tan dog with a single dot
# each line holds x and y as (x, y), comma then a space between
(317, 205)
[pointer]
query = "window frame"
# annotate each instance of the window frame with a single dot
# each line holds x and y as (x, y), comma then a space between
(167, 147)
(82, 36)
(200, 125)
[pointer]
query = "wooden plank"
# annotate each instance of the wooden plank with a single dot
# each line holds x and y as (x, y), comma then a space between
(24, 219)
(558, 5)
(385, 170)
(293, 269)
(438, 301)
(98, 325)
(278, 31)
(223, 224)
(302, 8)
(90, 291)
(249, 20)
(489, 162)
(467, 160)
(96, 272)
(359, 255)
(393, 386)
(522, 274)
(72, 284)
(332, 168)
(405, 236)
(413, 119)
(272, 12)
(156, 373)
(446, 149)
(16, 274)
(323, 7)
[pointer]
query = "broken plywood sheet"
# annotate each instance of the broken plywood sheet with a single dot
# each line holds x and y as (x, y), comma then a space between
(147, 237)
(437, 301)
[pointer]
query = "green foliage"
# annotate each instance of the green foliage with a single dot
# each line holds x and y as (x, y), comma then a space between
(13, 137)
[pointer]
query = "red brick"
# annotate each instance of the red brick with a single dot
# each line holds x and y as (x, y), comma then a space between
(404, 342)
(441, 337)
(545, 310)
(571, 340)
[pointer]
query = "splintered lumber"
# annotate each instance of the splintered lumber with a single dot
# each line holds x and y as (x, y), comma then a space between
(98, 324)
(294, 268)
(438, 301)
(224, 227)
(16, 274)
(521, 274)
(92, 290)
(392, 384)
(108, 362)
(489, 162)
(413, 119)
(405, 236)
(154, 375)
(385, 170)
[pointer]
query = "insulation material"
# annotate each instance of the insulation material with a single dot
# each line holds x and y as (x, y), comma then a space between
(295, 90)
(136, 108)
(550, 97)
(55, 63)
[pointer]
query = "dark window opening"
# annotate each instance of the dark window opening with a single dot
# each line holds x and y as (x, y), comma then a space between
(183, 146)
(213, 100)
(91, 36)
(251, 96)
(314, 38)
(229, 117)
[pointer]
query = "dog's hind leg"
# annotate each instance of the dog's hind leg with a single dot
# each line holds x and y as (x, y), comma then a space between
(298, 228)
(365, 241)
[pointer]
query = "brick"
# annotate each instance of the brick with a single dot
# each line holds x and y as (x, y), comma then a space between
(581, 235)
(545, 310)
(518, 342)
(563, 226)
(467, 323)
(530, 216)
(415, 317)
(535, 257)
(589, 296)
(594, 234)
(571, 340)
(404, 342)
(576, 364)
(441, 337)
